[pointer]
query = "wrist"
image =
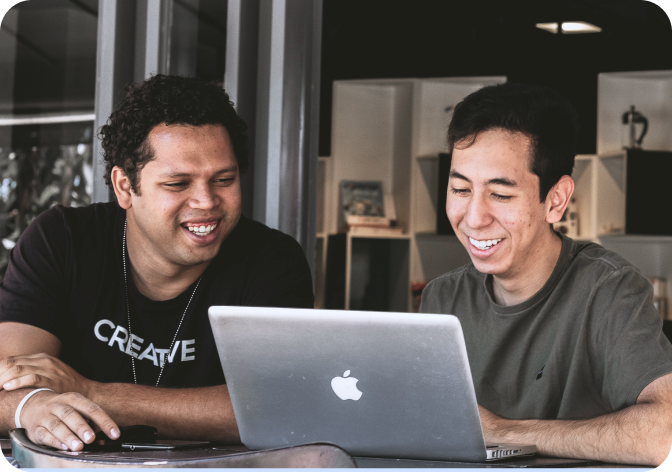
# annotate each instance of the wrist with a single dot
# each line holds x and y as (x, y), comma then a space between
(93, 391)
(513, 431)
(25, 402)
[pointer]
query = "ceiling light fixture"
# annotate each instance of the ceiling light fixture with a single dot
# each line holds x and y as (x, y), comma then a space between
(569, 27)
(550, 27)
(576, 27)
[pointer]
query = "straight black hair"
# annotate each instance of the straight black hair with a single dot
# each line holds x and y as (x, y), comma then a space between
(540, 113)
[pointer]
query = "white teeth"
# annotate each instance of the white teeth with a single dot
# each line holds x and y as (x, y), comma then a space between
(202, 230)
(487, 243)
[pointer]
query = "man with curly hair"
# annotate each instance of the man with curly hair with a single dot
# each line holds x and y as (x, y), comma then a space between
(105, 306)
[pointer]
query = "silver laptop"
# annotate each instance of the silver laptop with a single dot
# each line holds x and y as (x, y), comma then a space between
(395, 385)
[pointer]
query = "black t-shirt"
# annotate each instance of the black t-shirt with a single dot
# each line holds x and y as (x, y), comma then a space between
(66, 276)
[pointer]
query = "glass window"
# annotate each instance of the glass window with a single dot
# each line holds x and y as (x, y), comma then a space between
(198, 38)
(47, 90)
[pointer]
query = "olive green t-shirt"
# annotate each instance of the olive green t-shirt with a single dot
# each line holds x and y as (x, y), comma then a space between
(585, 345)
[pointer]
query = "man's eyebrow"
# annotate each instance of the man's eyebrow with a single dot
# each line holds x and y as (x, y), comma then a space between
(457, 175)
(171, 174)
(502, 181)
(498, 181)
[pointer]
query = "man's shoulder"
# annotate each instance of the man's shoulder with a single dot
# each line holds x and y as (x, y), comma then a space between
(254, 241)
(592, 257)
(256, 235)
(465, 275)
(77, 225)
(454, 289)
(86, 217)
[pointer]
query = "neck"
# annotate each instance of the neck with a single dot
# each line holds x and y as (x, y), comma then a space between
(530, 275)
(156, 278)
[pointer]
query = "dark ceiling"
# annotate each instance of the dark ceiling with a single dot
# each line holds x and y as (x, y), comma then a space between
(443, 38)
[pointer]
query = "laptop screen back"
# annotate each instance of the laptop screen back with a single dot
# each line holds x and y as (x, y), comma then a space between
(376, 384)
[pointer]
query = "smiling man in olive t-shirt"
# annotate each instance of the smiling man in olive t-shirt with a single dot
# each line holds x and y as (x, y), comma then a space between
(565, 346)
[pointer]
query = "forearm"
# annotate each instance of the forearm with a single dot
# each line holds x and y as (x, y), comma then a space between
(191, 413)
(640, 434)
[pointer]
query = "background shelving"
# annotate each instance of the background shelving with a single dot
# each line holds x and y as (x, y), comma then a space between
(394, 130)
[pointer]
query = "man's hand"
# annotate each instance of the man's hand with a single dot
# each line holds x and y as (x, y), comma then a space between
(60, 421)
(41, 371)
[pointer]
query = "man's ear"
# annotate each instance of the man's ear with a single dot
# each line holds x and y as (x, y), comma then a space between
(558, 199)
(122, 187)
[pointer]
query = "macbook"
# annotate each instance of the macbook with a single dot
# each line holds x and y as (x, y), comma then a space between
(394, 385)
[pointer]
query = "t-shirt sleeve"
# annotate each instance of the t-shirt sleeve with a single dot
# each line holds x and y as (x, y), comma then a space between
(33, 290)
(281, 277)
(629, 340)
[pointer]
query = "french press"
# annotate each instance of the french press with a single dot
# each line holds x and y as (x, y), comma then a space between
(632, 118)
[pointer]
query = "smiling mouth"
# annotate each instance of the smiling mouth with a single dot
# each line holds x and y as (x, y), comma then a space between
(201, 229)
(484, 244)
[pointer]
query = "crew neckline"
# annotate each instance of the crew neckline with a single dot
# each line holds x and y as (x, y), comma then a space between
(560, 266)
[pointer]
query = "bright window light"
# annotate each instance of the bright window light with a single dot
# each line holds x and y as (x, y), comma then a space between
(550, 27)
(575, 27)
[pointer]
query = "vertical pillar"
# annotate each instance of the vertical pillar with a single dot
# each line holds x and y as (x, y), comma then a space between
(8, 37)
(285, 190)
(114, 68)
(240, 78)
(133, 38)
(157, 37)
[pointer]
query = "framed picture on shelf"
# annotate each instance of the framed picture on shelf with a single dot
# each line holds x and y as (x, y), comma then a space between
(363, 203)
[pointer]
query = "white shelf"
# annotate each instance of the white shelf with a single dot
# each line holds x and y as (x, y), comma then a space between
(650, 92)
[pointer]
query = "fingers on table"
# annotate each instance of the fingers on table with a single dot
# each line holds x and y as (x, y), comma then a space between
(65, 420)
(42, 436)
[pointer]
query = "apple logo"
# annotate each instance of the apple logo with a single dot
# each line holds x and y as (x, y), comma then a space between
(345, 387)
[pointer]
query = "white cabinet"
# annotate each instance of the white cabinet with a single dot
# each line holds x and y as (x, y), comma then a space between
(651, 93)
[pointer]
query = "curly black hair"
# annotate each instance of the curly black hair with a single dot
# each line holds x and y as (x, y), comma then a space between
(171, 100)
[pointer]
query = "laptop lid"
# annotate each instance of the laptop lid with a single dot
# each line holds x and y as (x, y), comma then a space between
(377, 384)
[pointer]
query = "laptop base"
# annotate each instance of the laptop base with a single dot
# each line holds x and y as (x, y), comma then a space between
(516, 462)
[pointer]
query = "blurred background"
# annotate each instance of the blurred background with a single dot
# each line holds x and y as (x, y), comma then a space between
(64, 65)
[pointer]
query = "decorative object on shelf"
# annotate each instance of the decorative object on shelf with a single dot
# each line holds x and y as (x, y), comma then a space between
(631, 119)
(362, 198)
(569, 223)
(364, 204)
(659, 298)
(416, 292)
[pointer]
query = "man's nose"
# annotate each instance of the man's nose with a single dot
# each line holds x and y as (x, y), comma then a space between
(478, 213)
(204, 197)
